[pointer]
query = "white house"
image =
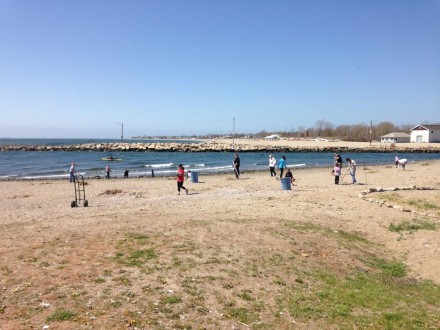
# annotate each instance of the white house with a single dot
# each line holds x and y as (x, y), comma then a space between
(395, 137)
(425, 133)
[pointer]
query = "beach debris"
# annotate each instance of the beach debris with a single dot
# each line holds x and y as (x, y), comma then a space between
(397, 207)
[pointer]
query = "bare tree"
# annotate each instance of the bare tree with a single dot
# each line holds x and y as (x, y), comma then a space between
(319, 126)
(343, 132)
(360, 133)
(301, 130)
(406, 127)
(385, 128)
(322, 127)
(328, 129)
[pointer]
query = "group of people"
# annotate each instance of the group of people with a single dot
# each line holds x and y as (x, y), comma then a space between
(108, 170)
(72, 172)
(400, 163)
(236, 166)
(337, 169)
(281, 166)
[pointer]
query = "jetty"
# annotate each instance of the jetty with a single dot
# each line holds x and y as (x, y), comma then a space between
(215, 147)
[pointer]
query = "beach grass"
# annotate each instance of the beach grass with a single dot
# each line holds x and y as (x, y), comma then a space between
(412, 226)
(266, 289)
(61, 315)
(378, 294)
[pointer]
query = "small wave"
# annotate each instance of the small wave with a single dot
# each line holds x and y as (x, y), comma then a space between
(52, 176)
(8, 176)
(46, 176)
(228, 167)
(165, 171)
(186, 166)
(296, 165)
(159, 165)
(206, 169)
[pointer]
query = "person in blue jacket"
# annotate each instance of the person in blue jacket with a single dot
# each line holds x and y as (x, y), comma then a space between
(282, 165)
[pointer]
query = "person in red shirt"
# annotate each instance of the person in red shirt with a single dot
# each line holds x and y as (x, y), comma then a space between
(180, 179)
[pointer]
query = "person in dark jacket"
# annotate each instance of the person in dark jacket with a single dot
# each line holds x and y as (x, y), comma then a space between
(236, 164)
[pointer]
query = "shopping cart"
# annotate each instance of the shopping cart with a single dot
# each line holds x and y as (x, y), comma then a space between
(80, 192)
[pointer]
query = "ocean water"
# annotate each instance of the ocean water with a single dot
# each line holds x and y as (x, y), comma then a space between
(55, 164)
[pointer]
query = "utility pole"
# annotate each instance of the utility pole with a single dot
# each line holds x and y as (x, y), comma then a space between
(122, 131)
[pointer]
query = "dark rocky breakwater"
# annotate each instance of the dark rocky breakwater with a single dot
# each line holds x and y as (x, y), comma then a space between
(213, 147)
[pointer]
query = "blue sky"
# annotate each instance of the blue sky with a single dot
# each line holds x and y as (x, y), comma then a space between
(78, 68)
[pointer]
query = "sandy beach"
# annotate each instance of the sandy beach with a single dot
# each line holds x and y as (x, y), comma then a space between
(141, 256)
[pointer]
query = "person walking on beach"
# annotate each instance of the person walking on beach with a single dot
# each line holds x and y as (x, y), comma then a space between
(272, 164)
(126, 173)
(72, 172)
(236, 164)
(181, 179)
(107, 172)
(337, 173)
(400, 163)
(282, 165)
(352, 168)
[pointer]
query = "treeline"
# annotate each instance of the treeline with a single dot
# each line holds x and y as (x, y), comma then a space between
(357, 132)
(326, 130)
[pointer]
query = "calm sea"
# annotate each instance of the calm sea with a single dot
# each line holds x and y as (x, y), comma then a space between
(55, 165)
(60, 142)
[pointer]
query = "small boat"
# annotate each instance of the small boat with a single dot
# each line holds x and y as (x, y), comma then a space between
(111, 159)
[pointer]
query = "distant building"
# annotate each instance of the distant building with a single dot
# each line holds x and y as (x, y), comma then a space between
(395, 137)
(273, 137)
(425, 133)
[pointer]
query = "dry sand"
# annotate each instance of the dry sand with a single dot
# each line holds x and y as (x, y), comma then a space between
(204, 243)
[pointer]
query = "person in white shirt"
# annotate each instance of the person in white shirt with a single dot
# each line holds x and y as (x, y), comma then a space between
(72, 172)
(337, 173)
(272, 164)
(400, 163)
(107, 171)
(352, 167)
